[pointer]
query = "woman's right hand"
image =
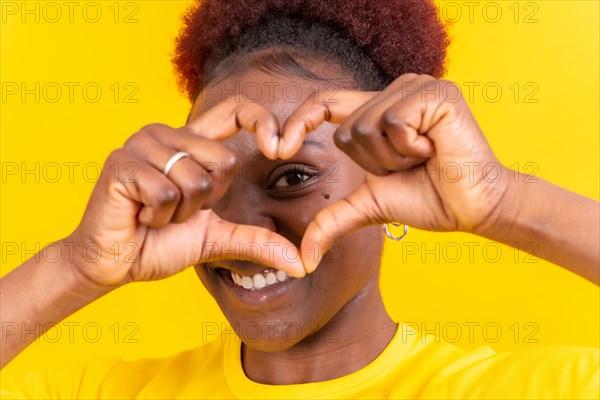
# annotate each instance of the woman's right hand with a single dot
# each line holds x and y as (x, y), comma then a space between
(141, 225)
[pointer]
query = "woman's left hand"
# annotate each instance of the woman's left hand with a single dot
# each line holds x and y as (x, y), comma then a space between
(429, 164)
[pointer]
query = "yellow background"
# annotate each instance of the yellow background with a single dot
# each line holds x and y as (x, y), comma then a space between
(549, 47)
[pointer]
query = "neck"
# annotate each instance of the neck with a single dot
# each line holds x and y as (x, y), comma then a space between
(352, 339)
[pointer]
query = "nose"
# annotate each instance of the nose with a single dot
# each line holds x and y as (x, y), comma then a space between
(245, 205)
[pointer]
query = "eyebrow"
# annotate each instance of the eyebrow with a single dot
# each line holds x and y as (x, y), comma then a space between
(313, 143)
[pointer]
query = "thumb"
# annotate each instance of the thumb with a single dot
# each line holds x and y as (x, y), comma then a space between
(356, 211)
(254, 244)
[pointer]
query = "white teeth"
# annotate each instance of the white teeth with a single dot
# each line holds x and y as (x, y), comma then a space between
(271, 278)
(258, 281)
(247, 282)
(281, 276)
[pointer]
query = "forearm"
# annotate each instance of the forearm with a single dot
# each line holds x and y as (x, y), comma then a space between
(40, 294)
(563, 226)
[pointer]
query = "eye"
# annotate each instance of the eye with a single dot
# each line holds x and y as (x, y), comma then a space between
(289, 178)
(292, 177)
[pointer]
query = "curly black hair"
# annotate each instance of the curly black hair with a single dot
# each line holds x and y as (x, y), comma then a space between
(372, 41)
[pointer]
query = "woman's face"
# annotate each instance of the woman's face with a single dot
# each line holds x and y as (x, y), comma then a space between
(284, 196)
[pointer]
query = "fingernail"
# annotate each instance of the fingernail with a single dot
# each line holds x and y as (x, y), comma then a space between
(301, 273)
(281, 149)
(275, 146)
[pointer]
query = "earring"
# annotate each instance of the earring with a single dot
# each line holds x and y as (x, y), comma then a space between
(389, 234)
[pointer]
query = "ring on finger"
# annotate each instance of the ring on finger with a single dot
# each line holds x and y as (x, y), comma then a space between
(176, 157)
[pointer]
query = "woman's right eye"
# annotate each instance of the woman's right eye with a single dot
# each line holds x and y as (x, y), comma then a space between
(291, 176)
(291, 179)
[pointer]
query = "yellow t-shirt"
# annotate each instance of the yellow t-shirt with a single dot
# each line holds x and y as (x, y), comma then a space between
(410, 367)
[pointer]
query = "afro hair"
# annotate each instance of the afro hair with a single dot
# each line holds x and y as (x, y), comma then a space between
(378, 40)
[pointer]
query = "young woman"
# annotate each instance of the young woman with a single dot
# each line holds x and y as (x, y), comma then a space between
(313, 124)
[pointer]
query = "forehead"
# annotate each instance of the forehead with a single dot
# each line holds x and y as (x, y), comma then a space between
(280, 94)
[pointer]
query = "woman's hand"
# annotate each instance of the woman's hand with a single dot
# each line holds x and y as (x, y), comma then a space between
(143, 225)
(430, 165)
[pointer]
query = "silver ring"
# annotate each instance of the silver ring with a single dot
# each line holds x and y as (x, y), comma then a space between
(389, 234)
(176, 157)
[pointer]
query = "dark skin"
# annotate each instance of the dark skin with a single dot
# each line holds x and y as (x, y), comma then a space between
(397, 136)
(355, 325)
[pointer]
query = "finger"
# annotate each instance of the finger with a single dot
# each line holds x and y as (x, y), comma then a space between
(336, 221)
(367, 138)
(404, 138)
(226, 119)
(195, 185)
(192, 180)
(362, 137)
(373, 131)
(217, 164)
(330, 106)
(203, 178)
(269, 248)
(364, 159)
(411, 122)
(207, 152)
(157, 195)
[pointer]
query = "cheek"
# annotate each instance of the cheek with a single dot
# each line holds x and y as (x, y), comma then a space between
(360, 260)
(291, 218)
(344, 177)
(357, 256)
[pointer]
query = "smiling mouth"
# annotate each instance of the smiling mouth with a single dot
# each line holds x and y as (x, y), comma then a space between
(265, 278)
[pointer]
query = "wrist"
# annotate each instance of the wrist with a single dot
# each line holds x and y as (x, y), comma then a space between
(72, 266)
(503, 216)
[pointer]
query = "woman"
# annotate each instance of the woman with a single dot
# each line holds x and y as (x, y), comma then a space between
(260, 171)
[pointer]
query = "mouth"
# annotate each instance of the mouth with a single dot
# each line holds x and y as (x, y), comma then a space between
(254, 290)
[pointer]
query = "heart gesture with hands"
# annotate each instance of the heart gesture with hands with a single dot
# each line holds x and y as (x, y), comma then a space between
(403, 137)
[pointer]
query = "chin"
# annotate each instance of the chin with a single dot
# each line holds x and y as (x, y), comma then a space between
(271, 337)
(273, 317)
